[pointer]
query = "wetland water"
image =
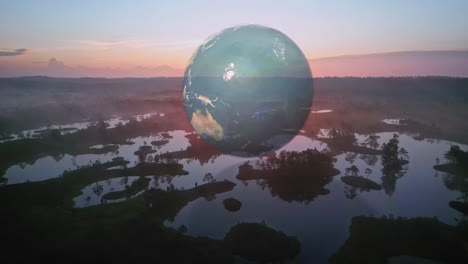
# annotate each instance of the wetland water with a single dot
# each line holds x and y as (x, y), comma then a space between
(321, 224)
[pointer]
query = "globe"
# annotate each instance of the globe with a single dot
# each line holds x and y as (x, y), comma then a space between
(248, 90)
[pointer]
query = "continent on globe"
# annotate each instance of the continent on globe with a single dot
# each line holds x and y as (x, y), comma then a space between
(248, 90)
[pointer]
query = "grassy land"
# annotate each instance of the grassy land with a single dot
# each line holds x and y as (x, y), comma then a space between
(40, 220)
(374, 240)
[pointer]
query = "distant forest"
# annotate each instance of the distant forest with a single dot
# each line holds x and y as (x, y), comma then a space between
(31, 102)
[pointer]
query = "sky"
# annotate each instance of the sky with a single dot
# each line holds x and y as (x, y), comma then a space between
(141, 38)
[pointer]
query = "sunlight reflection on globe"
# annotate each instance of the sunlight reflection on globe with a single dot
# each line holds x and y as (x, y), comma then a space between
(248, 90)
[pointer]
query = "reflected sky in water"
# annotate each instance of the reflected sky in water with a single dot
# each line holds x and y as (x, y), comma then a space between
(321, 225)
(51, 167)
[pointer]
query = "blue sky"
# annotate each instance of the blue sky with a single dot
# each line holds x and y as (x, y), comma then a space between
(152, 33)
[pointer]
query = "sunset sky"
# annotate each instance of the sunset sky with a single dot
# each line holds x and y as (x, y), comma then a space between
(137, 38)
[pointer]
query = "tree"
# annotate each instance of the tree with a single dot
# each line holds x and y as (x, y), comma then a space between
(98, 189)
(141, 157)
(149, 159)
(390, 151)
(333, 133)
(348, 171)
(350, 192)
(350, 157)
(370, 160)
(371, 141)
(55, 134)
(182, 229)
(458, 156)
(463, 196)
(368, 172)
(293, 175)
(353, 171)
(403, 153)
(342, 138)
(156, 158)
(209, 177)
(452, 154)
(102, 127)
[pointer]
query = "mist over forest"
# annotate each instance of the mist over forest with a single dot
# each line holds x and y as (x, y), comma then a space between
(30, 102)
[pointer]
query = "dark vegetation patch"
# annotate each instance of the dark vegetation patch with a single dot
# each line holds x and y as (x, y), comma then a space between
(292, 175)
(232, 204)
(158, 143)
(462, 207)
(36, 208)
(137, 186)
(257, 242)
(361, 183)
(374, 240)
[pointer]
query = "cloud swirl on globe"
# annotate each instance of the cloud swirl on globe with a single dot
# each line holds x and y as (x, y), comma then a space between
(248, 90)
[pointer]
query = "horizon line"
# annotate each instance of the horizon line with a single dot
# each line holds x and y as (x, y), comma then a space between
(387, 52)
(177, 77)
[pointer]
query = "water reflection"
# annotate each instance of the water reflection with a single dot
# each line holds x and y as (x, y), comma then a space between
(113, 122)
(53, 166)
(292, 175)
(428, 198)
(94, 194)
(321, 208)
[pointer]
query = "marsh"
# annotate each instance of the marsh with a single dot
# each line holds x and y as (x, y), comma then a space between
(124, 157)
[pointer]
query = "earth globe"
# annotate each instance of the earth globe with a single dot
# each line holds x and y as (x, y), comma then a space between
(248, 90)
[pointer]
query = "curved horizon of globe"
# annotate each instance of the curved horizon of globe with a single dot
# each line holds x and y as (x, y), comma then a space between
(248, 90)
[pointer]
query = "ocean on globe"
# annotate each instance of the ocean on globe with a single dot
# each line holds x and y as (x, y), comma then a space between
(248, 90)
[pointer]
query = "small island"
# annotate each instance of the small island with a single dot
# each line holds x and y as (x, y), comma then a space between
(456, 178)
(393, 160)
(137, 186)
(158, 143)
(169, 203)
(457, 162)
(232, 205)
(143, 151)
(345, 141)
(361, 183)
(292, 175)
